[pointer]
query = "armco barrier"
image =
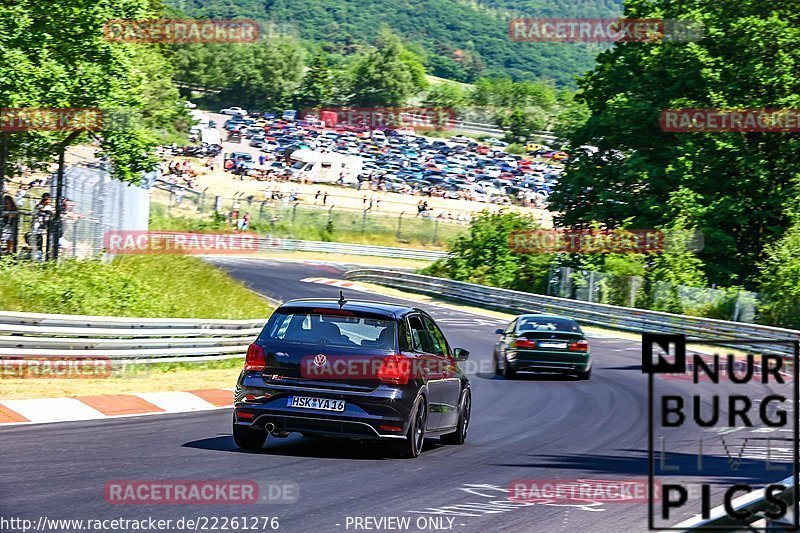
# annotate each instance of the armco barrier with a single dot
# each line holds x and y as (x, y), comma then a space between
(270, 243)
(122, 339)
(620, 318)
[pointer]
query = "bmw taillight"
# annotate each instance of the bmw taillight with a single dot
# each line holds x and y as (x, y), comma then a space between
(526, 344)
(579, 346)
(395, 369)
(255, 359)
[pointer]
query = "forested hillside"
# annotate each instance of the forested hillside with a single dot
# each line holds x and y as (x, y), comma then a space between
(458, 40)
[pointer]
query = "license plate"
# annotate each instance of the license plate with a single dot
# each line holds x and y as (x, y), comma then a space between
(323, 404)
(546, 344)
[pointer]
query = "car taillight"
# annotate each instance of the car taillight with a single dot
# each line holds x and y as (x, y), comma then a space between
(255, 359)
(579, 346)
(526, 344)
(395, 369)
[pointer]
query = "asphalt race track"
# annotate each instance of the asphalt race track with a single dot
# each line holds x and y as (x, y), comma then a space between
(542, 428)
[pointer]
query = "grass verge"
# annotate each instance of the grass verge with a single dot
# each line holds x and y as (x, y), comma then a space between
(318, 224)
(141, 286)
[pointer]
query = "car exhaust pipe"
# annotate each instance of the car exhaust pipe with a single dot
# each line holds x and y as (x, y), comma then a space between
(269, 426)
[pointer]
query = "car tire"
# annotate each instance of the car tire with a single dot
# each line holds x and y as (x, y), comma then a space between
(585, 376)
(459, 436)
(411, 446)
(249, 439)
(508, 372)
(496, 366)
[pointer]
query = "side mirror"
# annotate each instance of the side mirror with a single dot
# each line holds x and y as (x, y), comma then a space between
(499, 331)
(460, 354)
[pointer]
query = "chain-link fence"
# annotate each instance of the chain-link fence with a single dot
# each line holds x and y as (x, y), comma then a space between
(632, 291)
(92, 204)
(305, 216)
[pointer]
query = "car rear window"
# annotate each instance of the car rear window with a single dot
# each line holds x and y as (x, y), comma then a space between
(331, 329)
(547, 324)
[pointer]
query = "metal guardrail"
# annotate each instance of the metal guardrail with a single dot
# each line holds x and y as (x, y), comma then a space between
(620, 318)
(267, 243)
(122, 339)
(610, 316)
(482, 127)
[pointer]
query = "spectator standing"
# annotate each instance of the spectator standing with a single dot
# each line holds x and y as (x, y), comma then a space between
(8, 226)
(42, 215)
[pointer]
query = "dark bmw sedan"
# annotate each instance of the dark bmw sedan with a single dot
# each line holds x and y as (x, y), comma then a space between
(353, 369)
(542, 343)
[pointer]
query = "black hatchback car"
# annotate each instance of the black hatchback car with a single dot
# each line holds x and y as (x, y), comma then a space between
(355, 369)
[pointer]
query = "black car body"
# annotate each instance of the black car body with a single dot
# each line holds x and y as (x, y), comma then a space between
(363, 370)
(542, 343)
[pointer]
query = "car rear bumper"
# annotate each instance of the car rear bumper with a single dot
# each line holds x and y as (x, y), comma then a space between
(550, 361)
(380, 414)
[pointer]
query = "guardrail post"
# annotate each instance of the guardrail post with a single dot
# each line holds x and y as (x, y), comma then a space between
(203, 200)
(399, 223)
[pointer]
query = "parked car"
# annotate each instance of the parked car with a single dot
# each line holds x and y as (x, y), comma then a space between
(235, 111)
(363, 370)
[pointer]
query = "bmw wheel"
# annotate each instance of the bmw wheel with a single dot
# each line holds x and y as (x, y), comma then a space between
(508, 372)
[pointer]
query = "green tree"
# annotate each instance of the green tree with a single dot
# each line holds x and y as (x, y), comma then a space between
(446, 95)
(264, 74)
(780, 280)
(747, 59)
(317, 89)
(572, 115)
(387, 76)
(269, 73)
(484, 255)
(54, 54)
(521, 123)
